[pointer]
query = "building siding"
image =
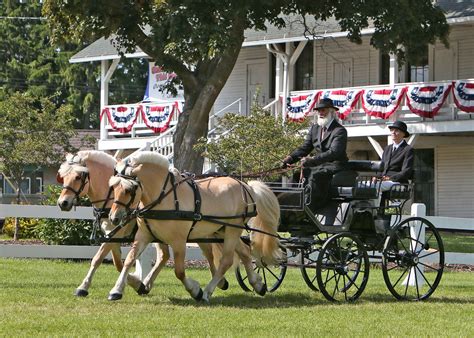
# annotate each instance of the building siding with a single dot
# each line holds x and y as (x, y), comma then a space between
(455, 180)
(235, 86)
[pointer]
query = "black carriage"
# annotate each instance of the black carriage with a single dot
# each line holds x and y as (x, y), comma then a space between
(359, 227)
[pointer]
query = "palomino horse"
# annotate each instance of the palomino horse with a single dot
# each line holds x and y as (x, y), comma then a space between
(88, 173)
(179, 211)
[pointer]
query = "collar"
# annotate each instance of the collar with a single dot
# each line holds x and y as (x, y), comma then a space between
(396, 146)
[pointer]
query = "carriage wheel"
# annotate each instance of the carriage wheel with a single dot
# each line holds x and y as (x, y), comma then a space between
(309, 257)
(342, 268)
(413, 261)
(272, 275)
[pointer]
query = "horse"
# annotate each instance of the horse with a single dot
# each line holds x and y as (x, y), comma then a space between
(88, 173)
(176, 212)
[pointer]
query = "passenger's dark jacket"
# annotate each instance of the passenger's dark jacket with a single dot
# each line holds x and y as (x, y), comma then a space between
(330, 151)
(398, 165)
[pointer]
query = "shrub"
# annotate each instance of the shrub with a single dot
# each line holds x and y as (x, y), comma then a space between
(63, 231)
(27, 227)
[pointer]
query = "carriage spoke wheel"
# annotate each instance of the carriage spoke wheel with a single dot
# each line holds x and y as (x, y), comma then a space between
(342, 268)
(272, 275)
(413, 259)
(309, 257)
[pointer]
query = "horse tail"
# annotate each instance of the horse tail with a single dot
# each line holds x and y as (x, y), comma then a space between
(265, 248)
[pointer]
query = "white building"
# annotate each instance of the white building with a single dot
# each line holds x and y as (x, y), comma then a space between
(283, 63)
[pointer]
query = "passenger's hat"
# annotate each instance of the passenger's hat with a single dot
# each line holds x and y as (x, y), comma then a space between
(400, 126)
(325, 103)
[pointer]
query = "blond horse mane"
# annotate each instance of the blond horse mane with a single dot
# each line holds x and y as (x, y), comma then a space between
(76, 163)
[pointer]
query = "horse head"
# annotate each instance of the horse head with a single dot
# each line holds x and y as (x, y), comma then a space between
(74, 176)
(127, 194)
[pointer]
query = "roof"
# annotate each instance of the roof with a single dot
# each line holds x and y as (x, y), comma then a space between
(457, 11)
(81, 139)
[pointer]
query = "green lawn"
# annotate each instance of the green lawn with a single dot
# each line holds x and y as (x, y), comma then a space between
(37, 300)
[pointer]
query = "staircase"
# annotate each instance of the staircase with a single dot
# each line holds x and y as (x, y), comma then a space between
(163, 143)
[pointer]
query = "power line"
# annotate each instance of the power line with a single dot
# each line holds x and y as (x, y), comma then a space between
(22, 18)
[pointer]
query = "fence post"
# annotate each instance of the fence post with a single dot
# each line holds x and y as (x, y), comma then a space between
(415, 277)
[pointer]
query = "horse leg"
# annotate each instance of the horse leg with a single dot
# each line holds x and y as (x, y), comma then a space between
(162, 256)
(138, 246)
(244, 252)
(83, 289)
(207, 250)
(192, 286)
(230, 241)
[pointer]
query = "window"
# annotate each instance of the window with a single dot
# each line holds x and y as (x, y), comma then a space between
(384, 68)
(304, 69)
(9, 188)
(38, 189)
(424, 178)
(419, 71)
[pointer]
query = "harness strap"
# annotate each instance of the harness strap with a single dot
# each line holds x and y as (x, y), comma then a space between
(197, 204)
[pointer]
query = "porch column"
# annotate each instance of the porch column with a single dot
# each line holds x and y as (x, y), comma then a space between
(393, 71)
(105, 75)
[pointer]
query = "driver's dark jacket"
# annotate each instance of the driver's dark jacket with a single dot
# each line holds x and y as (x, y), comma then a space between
(330, 151)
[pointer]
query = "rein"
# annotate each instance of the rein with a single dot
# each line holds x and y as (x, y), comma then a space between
(194, 216)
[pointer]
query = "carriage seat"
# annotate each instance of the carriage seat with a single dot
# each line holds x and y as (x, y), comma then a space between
(349, 184)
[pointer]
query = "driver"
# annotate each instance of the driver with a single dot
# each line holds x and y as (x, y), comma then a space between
(329, 140)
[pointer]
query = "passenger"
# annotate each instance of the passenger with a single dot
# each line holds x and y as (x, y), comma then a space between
(329, 140)
(397, 158)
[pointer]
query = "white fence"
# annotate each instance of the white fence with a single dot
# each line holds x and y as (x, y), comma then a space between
(87, 252)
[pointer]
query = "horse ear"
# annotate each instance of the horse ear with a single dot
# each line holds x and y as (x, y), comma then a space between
(59, 179)
(134, 170)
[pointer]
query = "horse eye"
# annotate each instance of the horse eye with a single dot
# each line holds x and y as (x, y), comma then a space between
(77, 178)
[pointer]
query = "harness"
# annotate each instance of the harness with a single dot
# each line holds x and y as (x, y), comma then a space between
(147, 212)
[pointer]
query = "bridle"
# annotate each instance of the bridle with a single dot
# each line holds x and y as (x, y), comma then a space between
(133, 193)
(84, 180)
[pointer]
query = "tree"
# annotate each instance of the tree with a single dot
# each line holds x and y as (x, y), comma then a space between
(33, 133)
(200, 40)
(30, 63)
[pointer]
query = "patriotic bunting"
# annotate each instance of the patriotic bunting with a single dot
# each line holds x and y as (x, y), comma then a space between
(426, 100)
(121, 117)
(382, 102)
(300, 105)
(463, 93)
(345, 100)
(158, 117)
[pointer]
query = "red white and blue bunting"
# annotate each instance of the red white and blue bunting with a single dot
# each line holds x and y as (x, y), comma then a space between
(158, 117)
(463, 92)
(121, 117)
(426, 100)
(300, 105)
(382, 102)
(345, 100)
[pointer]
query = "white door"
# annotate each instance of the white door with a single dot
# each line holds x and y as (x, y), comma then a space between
(342, 74)
(257, 84)
(445, 63)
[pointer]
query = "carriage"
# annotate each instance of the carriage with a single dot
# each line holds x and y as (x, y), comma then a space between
(334, 249)
(360, 228)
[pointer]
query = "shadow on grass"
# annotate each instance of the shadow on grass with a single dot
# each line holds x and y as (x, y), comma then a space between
(289, 300)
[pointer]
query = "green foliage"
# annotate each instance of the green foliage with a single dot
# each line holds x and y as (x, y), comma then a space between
(27, 227)
(63, 231)
(34, 133)
(251, 144)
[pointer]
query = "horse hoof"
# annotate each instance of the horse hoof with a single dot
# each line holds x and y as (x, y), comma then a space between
(81, 293)
(115, 296)
(263, 290)
(198, 297)
(225, 286)
(142, 290)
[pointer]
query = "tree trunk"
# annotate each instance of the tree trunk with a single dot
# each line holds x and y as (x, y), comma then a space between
(17, 223)
(201, 90)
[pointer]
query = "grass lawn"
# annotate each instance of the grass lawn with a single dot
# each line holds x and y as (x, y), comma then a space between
(37, 300)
